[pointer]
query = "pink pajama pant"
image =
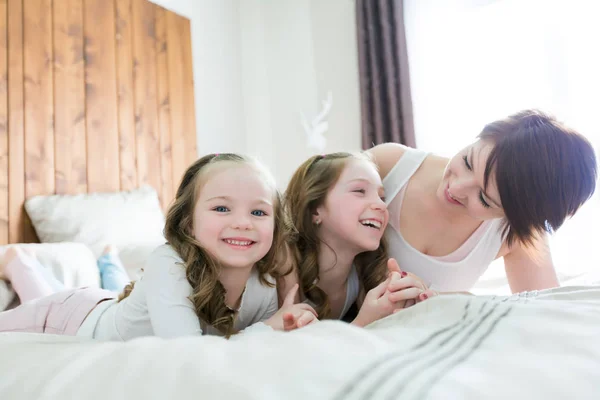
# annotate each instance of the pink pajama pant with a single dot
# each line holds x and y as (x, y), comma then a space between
(43, 311)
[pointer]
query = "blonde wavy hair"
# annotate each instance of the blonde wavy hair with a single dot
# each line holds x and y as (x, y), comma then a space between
(306, 191)
(202, 270)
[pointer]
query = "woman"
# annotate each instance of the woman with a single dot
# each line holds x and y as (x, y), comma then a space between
(499, 197)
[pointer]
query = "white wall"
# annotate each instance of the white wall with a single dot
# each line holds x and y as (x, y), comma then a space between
(293, 54)
(279, 41)
(259, 63)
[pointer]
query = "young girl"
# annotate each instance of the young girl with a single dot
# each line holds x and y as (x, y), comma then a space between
(338, 216)
(214, 276)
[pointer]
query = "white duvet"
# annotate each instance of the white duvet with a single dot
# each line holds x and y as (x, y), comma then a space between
(540, 345)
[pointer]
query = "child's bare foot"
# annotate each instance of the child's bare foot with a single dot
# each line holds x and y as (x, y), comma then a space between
(11, 253)
(110, 249)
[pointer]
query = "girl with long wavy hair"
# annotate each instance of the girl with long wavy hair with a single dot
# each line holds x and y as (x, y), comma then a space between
(337, 213)
(215, 275)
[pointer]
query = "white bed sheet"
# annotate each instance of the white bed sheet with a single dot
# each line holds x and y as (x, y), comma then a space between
(532, 345)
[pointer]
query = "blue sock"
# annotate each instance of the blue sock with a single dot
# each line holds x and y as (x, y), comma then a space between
(112, 273)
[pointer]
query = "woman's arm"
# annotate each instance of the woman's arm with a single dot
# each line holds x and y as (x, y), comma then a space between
(530, 268)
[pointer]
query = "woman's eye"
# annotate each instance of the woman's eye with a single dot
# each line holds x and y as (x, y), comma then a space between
(221, 209)
(258, 213)
(467, 163)
(359, 191)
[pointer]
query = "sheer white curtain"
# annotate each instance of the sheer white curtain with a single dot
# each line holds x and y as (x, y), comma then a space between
(474, 61)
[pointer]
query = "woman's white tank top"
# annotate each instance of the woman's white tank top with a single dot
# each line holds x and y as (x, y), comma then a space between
(457, 271)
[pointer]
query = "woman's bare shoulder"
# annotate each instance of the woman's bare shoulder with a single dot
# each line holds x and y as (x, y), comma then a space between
(386, 155)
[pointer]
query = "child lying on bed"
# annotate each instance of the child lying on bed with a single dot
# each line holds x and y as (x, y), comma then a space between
(215, 275)
(338, 215)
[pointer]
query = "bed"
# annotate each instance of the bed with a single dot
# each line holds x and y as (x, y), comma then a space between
(529, 346)
(97, 125)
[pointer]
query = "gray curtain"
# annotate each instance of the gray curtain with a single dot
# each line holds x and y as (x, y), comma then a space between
(384, 77)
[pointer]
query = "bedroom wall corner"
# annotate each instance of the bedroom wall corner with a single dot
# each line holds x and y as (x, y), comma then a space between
(216, 54)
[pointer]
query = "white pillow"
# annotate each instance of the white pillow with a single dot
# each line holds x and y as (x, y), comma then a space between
(126, 219)
(71, 263)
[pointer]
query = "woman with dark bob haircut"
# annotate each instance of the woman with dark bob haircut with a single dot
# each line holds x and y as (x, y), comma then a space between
(498, 197)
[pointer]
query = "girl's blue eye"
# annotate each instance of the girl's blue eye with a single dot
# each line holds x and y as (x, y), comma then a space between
(259, 213)
(221, 209)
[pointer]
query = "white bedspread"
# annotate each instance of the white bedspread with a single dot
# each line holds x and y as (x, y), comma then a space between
(528, 346)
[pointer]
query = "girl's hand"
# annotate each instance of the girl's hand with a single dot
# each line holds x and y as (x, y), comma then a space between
(405, 286)
(298, 319)
(377, 304)
(292, 316)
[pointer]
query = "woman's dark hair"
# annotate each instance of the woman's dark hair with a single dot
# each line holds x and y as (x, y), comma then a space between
(544, 171)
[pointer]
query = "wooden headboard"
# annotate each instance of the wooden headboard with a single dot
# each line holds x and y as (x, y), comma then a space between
(95, 96)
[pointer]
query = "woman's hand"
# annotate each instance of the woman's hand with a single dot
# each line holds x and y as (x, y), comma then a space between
(292, 316)
(406, 287)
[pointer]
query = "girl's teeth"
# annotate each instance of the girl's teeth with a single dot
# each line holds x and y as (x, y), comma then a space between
(373, 223)
(238, 242)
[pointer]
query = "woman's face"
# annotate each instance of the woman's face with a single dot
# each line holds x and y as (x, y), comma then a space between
(462, 188)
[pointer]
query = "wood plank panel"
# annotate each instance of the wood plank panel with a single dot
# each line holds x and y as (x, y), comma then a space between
(127, 146)
(144, 83)
(164, 116)
(177, 98)
(69, 98)
(189, 120)
(95, 95)
(101, 96)
(3, 122)
(19, 228)
(39, 107)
